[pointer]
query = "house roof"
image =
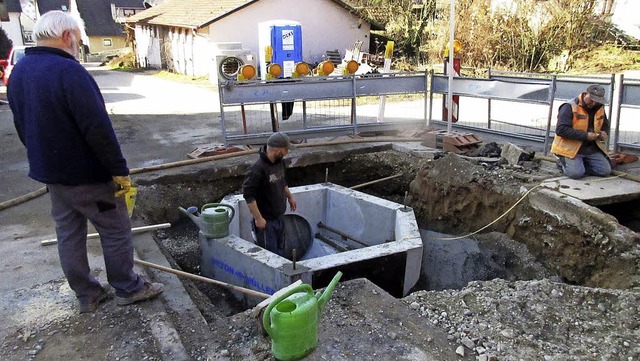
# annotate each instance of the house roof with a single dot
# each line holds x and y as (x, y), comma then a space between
(13, 6)
(200, 13)
(97, 16)
(48, 5)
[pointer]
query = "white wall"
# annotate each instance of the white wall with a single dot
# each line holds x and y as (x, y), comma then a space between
(147, 47)
(625, 16)
(192, 53)
(13, 30)
(187, 52)
(325, 26)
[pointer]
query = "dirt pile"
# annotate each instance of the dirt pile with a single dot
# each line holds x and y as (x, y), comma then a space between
(580, 243)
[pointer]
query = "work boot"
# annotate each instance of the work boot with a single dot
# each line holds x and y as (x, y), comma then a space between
(559, 165)
(92, 306)
(149, 290)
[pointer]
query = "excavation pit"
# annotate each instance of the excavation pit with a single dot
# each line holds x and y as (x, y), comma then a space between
(548, 234)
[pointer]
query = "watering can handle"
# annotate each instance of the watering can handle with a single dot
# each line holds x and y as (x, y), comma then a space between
(233, 211)
(266, 318)
(231, 214)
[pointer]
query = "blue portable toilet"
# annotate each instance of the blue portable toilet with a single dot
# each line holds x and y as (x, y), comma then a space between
(280, 42)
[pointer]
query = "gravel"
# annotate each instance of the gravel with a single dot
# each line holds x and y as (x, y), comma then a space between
(535, 320)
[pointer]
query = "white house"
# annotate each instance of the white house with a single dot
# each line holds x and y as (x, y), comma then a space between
(625, 16)
(173, 36)
(13, 26)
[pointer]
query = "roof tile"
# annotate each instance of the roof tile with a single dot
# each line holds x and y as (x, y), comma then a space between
(197, 14)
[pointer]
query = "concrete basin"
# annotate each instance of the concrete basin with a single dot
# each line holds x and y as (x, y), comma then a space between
(387, 248)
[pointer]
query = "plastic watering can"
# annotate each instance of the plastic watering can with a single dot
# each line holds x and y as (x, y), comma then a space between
(292, 320)
(214, 219)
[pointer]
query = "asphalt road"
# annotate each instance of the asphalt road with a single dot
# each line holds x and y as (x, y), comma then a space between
(143, 109)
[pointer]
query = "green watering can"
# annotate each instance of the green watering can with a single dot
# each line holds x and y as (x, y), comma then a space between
(214, 219)
(292, 320)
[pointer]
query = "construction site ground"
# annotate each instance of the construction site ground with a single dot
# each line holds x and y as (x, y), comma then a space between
(159, 122)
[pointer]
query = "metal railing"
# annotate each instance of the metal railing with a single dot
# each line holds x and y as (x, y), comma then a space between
(348, 105)
(628, 98)
(328, 119)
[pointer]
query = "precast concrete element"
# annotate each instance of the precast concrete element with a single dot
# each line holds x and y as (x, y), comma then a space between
(390, 254)
(596, 190)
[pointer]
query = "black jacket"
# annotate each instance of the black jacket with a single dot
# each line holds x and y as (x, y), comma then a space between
(265, 183)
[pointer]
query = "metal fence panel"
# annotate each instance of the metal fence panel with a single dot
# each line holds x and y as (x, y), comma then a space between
(258, 92)
(503, 89)
(627, 130)
(630, 93)
(388, 85)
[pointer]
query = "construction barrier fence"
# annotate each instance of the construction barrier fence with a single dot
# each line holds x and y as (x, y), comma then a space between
(514, 104)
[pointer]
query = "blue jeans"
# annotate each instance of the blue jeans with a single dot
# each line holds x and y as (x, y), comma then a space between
(71, 206)
(272, 236)
(593, 164)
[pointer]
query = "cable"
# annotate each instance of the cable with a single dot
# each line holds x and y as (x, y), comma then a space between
(494, 221)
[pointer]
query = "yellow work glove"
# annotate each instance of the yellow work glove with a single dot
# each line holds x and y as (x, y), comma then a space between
(123, 184)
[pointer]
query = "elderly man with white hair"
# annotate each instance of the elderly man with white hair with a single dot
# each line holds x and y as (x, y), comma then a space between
(61, 119)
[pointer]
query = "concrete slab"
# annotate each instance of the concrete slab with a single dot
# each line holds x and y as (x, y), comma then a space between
(596, 190)
(416, 149)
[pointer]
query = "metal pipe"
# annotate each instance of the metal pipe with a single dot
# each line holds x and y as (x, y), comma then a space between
(201, 279)
(331, 242)
(293, 258)
(376, 181)
(616, 133)
(322, 225)
(552, 96)
(134, 230)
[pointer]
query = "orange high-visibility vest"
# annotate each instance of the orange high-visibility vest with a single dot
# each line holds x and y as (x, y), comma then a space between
(570, 147)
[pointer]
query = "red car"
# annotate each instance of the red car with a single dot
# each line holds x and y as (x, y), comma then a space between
(7, 65)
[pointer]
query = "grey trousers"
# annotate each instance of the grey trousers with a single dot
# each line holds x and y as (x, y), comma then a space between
(593, 164)
(71, 206)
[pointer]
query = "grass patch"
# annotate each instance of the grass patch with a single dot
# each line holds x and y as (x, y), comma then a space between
(606, 59)
(164, 74)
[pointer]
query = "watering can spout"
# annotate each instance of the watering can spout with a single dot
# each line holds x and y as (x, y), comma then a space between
(326, 295)
(193, 217)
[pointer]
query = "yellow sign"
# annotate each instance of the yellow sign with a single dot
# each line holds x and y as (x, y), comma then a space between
(389, 50)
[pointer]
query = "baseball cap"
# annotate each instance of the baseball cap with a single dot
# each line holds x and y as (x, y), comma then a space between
(280, 140)
(596, 93)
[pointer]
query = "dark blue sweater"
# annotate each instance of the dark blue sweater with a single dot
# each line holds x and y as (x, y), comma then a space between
(61, 119)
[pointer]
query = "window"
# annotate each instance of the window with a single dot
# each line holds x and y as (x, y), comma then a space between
(106, 42)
